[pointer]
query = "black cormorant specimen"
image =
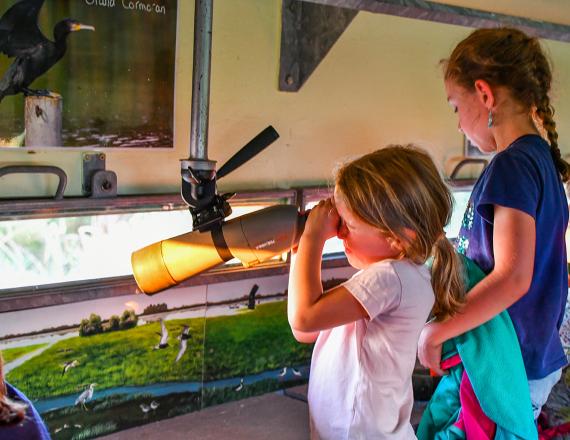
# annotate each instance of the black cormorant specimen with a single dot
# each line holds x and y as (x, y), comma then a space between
(21, 38)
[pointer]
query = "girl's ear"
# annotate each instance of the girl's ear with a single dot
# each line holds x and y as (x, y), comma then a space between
(395, 243)
(400, 244)
(485, 93)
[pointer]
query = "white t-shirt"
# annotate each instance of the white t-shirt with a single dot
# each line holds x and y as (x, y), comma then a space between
(361, 373)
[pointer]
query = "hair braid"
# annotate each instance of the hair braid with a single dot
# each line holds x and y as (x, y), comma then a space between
(545, 112)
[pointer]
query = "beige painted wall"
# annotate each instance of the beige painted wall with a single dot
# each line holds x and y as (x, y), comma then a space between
(379, 84)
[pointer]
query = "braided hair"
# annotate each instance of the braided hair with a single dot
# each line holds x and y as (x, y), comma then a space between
(509, 58)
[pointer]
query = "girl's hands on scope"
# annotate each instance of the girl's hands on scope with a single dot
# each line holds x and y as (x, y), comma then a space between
(323, 221)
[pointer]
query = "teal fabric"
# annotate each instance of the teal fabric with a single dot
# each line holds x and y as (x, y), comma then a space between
(443, 409)
(492, 358)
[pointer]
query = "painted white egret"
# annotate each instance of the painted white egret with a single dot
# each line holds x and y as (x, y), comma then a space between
(85, 396)
(184, 336)
(163, 337)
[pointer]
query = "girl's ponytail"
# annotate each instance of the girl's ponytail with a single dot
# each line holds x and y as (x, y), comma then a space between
(446, 279)
(10, 412)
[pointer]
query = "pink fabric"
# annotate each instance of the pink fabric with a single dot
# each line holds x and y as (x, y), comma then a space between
(472, 420)
(450, 362)
(547, 432)
(554, 432)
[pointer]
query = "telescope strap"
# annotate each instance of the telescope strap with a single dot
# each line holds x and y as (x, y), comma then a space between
(220, 243)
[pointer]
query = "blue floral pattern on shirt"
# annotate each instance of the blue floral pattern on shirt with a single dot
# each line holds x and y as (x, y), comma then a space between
(462, 243)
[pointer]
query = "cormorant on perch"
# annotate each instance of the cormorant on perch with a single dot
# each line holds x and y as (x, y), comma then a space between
(21, 38)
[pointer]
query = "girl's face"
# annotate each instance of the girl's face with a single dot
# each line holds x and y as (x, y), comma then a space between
(473, 116)
(363, 244)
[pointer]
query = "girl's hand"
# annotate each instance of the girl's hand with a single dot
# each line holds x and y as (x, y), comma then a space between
(429, 352)
(323, 221)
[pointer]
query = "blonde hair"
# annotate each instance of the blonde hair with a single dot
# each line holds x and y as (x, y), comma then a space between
(398, 188)
(10, 412)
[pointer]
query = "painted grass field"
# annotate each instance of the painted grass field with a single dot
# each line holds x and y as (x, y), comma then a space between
(109, 360)
(251, 342)
(11, 354)
(246, 343)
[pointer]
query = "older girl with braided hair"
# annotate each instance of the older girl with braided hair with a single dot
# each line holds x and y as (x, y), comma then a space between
(498, 82)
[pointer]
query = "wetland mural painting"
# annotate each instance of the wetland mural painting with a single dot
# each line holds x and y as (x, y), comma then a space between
(106, 365)
(116, 83)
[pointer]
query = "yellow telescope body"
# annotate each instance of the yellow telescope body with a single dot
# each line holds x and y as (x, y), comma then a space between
(252, 238)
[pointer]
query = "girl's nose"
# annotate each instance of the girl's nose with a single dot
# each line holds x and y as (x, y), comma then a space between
(342, 231)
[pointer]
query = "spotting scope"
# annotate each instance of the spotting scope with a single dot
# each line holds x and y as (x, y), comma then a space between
(252, 238)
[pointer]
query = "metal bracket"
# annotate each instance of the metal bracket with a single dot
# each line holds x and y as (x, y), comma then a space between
(309, 28)
(456, 15)
(308, 32)
(98, 182)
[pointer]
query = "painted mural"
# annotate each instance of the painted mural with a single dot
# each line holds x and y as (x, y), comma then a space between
(101, 366)
(115, 77)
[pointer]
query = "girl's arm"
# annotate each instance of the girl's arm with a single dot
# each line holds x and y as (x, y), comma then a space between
(514, 241)
(308, 309)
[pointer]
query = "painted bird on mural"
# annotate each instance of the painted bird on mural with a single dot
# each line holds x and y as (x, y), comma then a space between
(85, 396)
(240, 386)
(251, 297)
(163, 337)
(33, 53)
(184, 336)
(69, 365)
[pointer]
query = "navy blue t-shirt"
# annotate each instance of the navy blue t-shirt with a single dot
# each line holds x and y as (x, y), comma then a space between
(31, 428)
(523, 177)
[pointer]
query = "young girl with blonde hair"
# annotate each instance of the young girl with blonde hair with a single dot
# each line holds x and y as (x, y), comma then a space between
(498, 82)
(389, 208)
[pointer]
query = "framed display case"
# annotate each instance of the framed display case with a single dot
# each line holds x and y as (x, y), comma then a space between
(112, 87)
